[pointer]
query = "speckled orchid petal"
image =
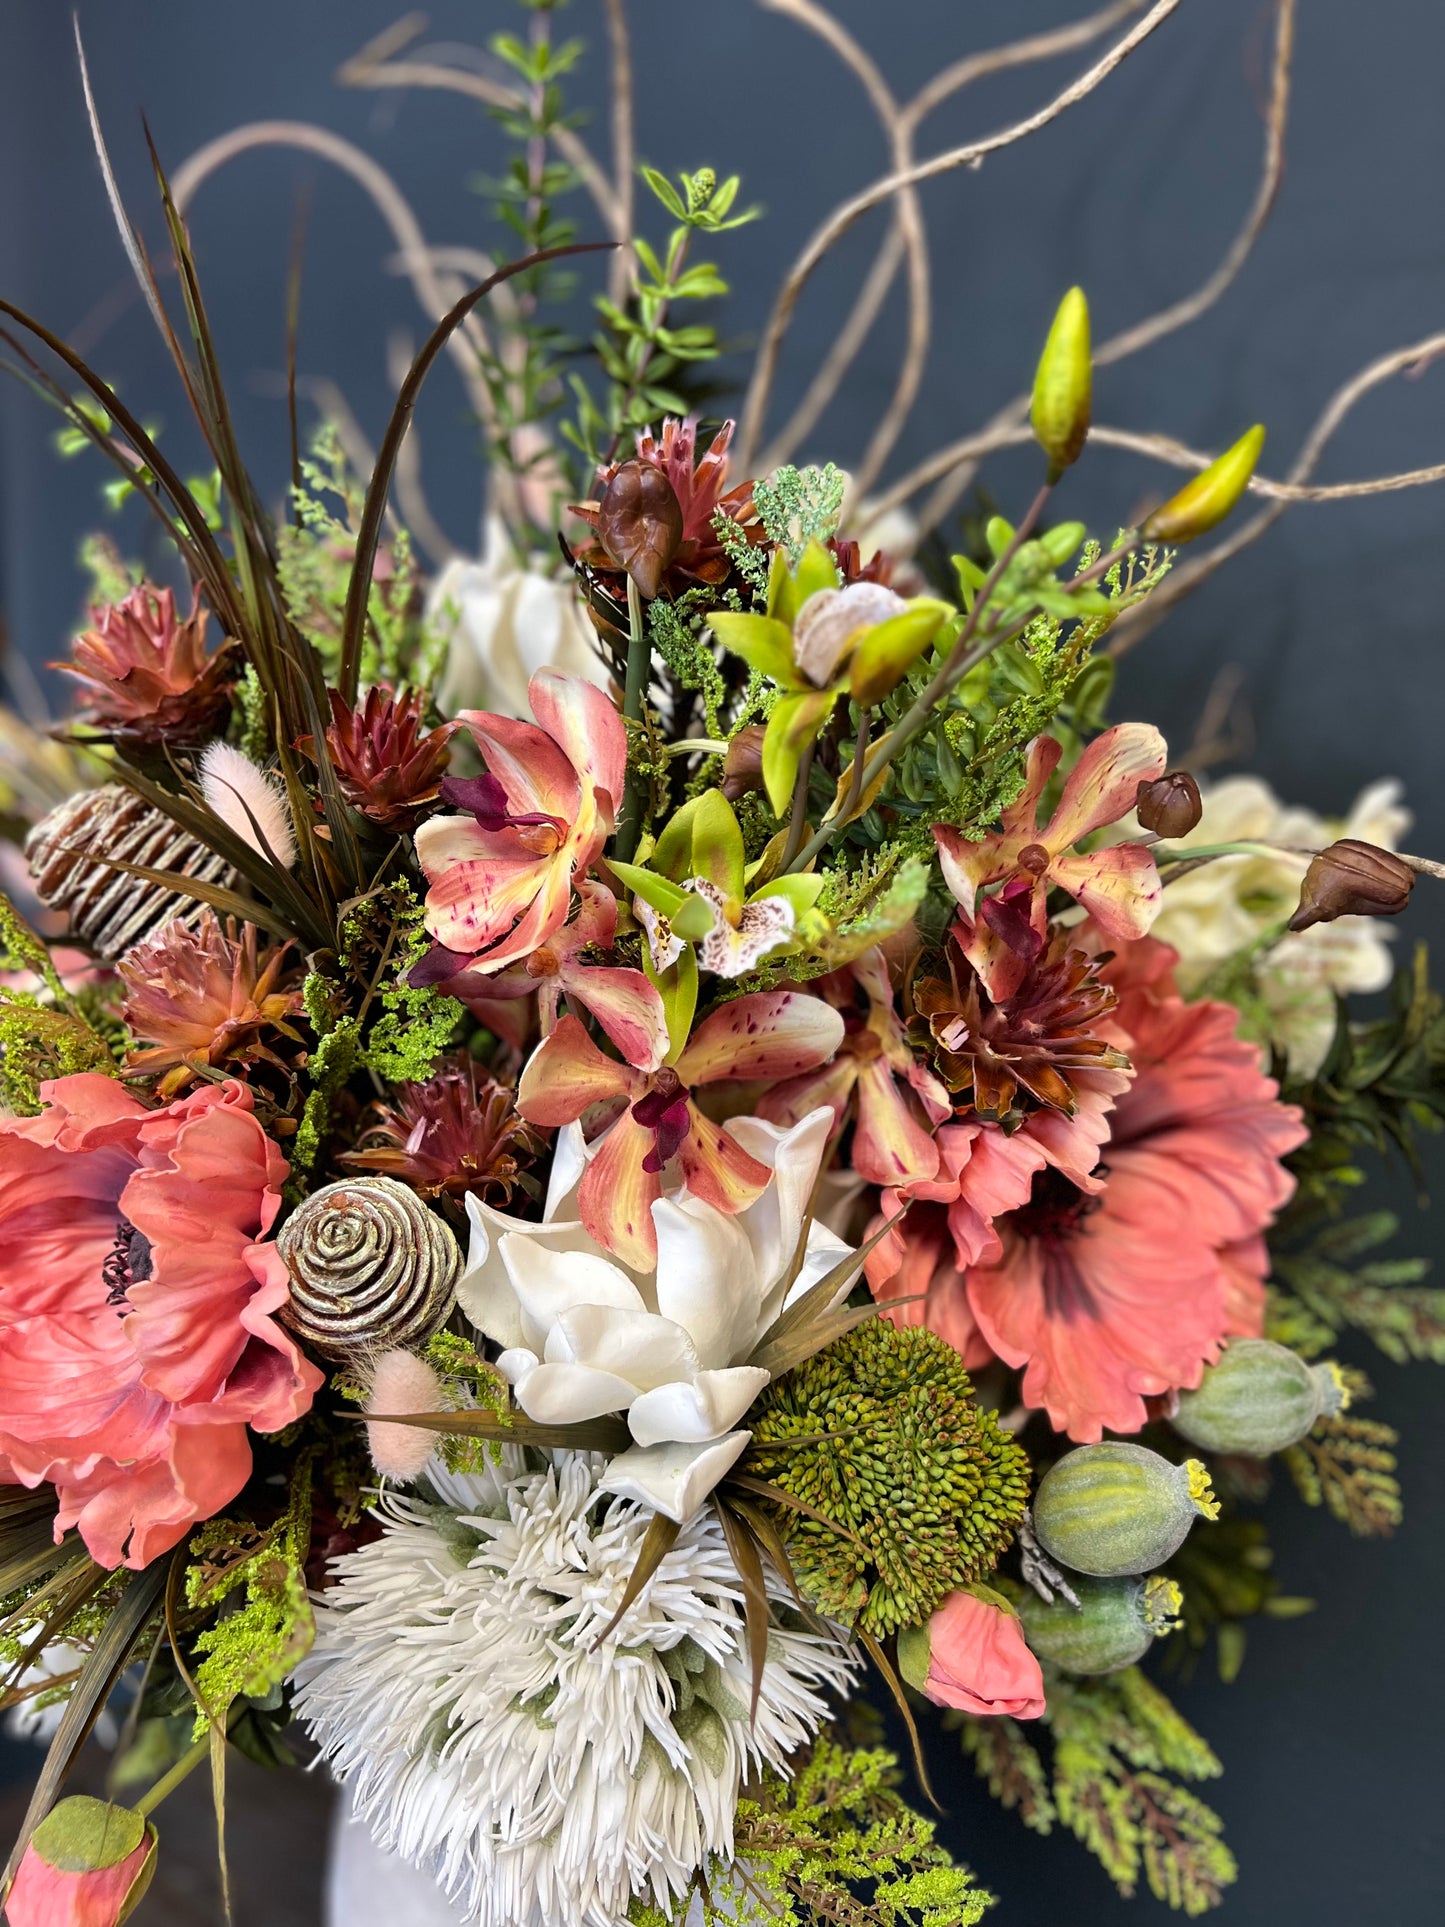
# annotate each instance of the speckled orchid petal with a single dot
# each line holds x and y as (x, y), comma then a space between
(617, 1192)
(767, 1034)
(1101, 786)
(716, 1168)
(625, 1005)
(733, 948)
(890, 1145)
(567, 1072)
(1119, 888)
(583, 720)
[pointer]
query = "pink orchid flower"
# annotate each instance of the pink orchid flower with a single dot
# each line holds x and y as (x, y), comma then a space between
(1119, 886)
(767, 1035)
(899, 1102)
(501, 876)
(630, 1011)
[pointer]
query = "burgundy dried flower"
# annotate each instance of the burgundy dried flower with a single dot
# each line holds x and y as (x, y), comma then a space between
(1171, 805)
(145, 675)
(640, 522)
(1024, 1051)
(389, 764)
(458, 1132)
(1353, 879)
(206, 996)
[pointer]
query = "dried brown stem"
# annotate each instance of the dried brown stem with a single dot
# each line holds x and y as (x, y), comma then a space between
(435, 291)
(958, 474)
(373, 67)
(908, 224)
(849, 212)
(1132, 627)
(619, 274)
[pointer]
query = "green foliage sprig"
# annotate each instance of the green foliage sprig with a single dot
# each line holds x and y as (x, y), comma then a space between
(1119, 1750)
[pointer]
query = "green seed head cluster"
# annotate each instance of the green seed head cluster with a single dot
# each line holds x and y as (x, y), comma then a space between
(925, 1482)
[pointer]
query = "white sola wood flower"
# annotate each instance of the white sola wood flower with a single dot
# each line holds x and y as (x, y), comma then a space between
(582, 1335)
(494, 1732)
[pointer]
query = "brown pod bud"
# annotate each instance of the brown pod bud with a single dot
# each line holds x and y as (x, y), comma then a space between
(743, 764)
(1169, 806)
(1353, 879)
(640, 522)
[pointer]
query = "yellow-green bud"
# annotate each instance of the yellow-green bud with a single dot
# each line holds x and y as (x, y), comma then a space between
(1114, 1624)
(888, 650)
(1206, 500)
(1117, 1508)
(1258, 1399)
(1064, 385)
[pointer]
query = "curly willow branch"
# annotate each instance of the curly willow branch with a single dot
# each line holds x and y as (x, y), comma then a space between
(843, 217)
(373, 67)
(958, 466)
(907, 225)
(1132, 628)
(434, 291)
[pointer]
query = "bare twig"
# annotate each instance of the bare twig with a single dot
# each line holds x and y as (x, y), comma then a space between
(410, 494)
(843, 217)
(619, 274)
(1132, 627)
(908, 224)
(435, 291)
(874, 291)
(1180, 313)
(374, 67)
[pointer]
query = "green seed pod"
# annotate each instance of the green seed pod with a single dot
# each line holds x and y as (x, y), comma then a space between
(1116, 1508)
(1064, 385)
(1258, 1399)
(1115, 1623)
(1209, 497)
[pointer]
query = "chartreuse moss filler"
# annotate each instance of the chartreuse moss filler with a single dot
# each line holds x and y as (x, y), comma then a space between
(921, 1488)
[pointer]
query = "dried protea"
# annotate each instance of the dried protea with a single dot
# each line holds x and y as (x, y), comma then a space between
(458, 1132)
(144, 673)
(1027, 1051)
(387, 761)
(207, 996)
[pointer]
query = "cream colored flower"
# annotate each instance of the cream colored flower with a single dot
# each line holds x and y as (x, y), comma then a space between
(1221, 908)
(506, 621)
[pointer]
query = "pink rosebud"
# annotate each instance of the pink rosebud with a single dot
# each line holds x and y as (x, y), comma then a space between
(972, 1655)
(87, 1865)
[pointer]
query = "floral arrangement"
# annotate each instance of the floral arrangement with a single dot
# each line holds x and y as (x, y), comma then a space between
(609, 1168)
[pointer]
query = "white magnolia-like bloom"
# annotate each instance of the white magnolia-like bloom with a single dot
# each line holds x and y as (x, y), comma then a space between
(543, 1774)
(582, 1335)
(506, 621)
(1222, 907)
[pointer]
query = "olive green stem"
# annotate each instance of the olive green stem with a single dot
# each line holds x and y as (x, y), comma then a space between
(167, 1784)
(798, 814)
(634, 698)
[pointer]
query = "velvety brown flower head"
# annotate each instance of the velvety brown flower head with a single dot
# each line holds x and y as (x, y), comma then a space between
(207, 996)
(387, 761)
(144, 673)
(1007, 1058)
(458, 1132)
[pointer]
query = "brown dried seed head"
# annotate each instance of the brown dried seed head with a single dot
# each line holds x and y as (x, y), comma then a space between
(1171, 805)
(640, 522)
(1353, 879)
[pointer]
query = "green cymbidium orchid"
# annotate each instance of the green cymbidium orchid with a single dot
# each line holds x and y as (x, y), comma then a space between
(818, 641)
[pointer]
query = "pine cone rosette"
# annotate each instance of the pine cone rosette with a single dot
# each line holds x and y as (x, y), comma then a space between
(371, 1268)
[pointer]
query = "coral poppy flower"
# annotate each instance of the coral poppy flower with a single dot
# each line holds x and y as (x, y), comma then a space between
(900, 1103)
(767, 1035)
(1118, 886)
(137, 1331)
(1117, 1286)
(501, 876)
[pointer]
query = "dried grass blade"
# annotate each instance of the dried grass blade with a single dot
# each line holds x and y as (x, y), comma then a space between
(657, 1542)
(748, 1560)
(895, 1686)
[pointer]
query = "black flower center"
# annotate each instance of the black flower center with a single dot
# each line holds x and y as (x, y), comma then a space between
(127, 1263)
(1055, 1209)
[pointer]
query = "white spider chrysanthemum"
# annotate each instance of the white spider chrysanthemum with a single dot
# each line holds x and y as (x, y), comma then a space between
(543, 1775)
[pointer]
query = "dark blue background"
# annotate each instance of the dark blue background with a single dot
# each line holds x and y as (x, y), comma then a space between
(1331, 1738)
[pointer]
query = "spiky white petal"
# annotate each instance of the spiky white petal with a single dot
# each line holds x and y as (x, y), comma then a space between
(249, 801)
(543, 1774)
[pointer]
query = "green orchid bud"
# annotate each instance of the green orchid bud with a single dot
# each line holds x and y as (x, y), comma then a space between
(1114, 1624)
(1116, 1508)
(1259, 1398)
(1064, 385)
(888, 650)
(1206, 500)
